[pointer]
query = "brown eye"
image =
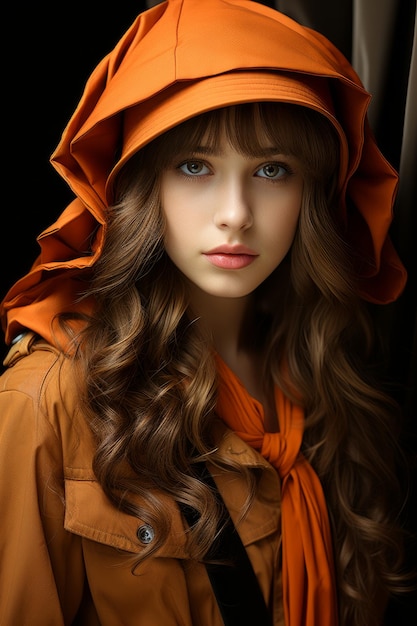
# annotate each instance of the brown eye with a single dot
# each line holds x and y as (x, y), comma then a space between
(194, 168)
(272, 171)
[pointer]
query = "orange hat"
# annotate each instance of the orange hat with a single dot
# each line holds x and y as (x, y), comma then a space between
(177, 60)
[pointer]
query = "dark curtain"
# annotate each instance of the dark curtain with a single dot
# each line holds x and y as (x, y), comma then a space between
(50, 51)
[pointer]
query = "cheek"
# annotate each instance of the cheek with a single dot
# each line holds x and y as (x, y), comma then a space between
(180, 231)
(184, 217)
(177, 205)
(282, 227)
(172, 212)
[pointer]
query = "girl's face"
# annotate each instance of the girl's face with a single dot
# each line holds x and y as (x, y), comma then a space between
(230, 218)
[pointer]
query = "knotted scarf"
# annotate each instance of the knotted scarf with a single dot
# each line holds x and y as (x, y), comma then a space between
(309, 590)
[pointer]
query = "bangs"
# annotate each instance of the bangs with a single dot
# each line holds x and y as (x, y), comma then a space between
(291, 129)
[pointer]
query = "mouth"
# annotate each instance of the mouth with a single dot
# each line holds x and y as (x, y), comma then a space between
(232, 249)
(231, 257)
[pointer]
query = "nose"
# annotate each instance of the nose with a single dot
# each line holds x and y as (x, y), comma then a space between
(233, 206)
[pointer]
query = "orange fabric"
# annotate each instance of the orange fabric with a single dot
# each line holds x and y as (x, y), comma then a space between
(177, 60)
(57, 524)
(309, 588)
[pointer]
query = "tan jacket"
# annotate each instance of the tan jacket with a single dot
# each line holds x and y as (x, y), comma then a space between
(66, 551)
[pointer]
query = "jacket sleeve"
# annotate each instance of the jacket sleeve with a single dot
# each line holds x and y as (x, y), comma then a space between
(41, 566)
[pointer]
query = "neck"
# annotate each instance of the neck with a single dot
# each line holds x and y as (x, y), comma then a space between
(225, 320)
(230, 324)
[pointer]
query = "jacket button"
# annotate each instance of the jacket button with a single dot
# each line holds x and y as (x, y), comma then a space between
(146, 533)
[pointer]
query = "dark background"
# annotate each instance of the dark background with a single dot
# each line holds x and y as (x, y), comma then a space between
(52, 52)
(55, 46)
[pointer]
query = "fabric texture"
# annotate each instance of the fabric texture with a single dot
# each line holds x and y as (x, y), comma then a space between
(55, 511)
(160, 50)
(308, 576)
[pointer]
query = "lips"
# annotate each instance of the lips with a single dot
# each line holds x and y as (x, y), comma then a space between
(231, 257)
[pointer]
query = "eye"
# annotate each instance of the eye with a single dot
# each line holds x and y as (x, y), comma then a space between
(273, 171)
(194, 168)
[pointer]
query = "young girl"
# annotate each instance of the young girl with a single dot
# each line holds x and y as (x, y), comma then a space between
(191, 432)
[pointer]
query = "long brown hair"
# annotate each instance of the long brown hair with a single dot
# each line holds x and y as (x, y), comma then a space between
(150, 378)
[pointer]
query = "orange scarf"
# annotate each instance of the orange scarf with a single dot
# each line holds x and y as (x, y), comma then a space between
(307, 559)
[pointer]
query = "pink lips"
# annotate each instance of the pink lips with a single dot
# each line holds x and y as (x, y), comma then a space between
(231, 257)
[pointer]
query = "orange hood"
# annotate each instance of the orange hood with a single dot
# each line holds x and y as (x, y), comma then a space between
(179, 59)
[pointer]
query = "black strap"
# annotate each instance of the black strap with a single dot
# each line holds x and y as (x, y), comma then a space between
(234, 582)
